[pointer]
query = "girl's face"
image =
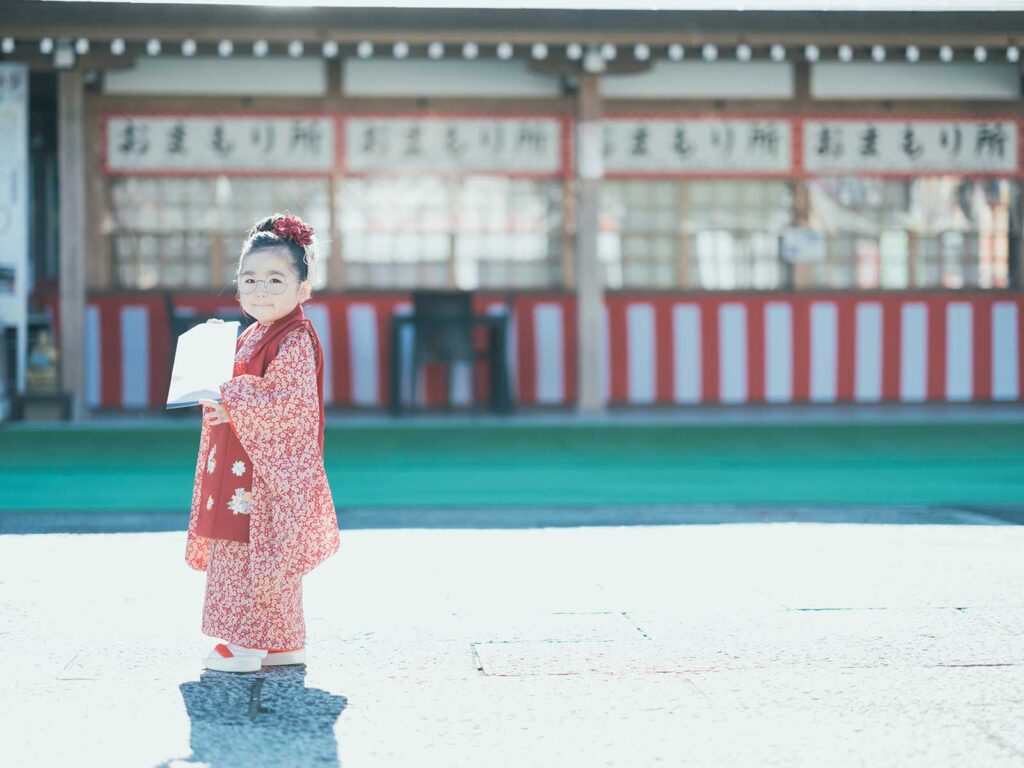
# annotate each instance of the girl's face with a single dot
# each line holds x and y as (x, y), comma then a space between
(265, 271)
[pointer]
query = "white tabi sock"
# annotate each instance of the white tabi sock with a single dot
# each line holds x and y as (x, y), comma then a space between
(241, 650)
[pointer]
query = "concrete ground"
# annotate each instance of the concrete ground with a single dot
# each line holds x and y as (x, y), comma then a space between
(743, 644)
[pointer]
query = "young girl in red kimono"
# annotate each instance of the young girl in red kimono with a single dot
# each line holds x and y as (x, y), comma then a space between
(262, 515)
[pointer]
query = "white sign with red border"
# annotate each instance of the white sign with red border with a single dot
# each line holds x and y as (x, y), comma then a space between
(141, 143)
(909, 146)
(664, 146)
(517, 145)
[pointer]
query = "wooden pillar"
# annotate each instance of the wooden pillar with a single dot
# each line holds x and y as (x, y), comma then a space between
(1015, 268)
(589, 280)
(333, 254)
(797, 276)
(100, 265)
(71, 169)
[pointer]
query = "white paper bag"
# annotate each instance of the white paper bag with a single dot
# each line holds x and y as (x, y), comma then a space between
(203, 360)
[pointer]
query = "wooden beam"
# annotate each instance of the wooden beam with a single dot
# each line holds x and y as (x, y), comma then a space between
(589, 276)
(666, 34)
(99, 254)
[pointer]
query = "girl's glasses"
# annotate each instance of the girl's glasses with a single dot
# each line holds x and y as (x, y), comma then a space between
(275, 285)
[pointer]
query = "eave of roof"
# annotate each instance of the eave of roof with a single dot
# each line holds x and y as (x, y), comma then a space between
(106, 20)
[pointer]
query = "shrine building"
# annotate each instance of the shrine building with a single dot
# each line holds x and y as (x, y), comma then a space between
(672, 208)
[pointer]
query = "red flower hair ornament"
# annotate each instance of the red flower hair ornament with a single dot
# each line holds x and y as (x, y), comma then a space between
(295, 229)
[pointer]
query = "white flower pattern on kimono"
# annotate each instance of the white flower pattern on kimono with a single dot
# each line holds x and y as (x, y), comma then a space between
(238, 468)
(240, 502)
(209, 503)
(211, 460)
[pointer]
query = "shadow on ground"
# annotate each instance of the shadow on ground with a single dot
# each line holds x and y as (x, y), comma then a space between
(266, 718)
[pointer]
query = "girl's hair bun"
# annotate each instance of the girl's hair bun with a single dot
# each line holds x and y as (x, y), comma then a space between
(287, 227)
(289, 231)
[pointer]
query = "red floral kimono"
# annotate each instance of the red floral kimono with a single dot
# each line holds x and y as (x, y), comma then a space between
(254, 588)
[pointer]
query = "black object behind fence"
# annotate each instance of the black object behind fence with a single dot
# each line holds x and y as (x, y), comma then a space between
(443, 327)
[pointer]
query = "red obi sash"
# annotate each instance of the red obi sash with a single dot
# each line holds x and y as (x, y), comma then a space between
(226, 491)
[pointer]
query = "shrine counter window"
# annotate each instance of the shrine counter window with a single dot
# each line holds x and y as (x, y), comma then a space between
(693, 234)
(187, 232)
(936, 232)
(450, 231)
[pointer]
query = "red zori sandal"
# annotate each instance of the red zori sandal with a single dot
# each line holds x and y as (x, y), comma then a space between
(226, 657)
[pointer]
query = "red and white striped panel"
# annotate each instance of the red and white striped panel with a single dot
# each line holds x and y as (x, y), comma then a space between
(656, 348)
(127, 350)
(737, 349)
(128, 344)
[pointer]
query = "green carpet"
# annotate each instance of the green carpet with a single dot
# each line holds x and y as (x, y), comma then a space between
(448, 467)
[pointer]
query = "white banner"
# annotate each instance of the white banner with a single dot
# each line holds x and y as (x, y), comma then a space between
(898, 146)
(698, 145)
(14, 213)
(145, 143)
(489, 144)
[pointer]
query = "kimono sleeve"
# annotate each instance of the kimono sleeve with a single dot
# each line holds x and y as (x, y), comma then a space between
(267, 412)
(277, 419)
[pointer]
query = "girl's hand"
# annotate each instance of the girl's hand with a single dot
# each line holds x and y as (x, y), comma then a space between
(214, 412)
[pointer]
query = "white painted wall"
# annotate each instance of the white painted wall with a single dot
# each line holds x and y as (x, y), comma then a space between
(388, 77)
(665, 79)
(922, 80)
(703, 80)
(214, 75)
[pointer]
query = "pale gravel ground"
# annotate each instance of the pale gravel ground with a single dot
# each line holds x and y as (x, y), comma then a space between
(785, 644)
